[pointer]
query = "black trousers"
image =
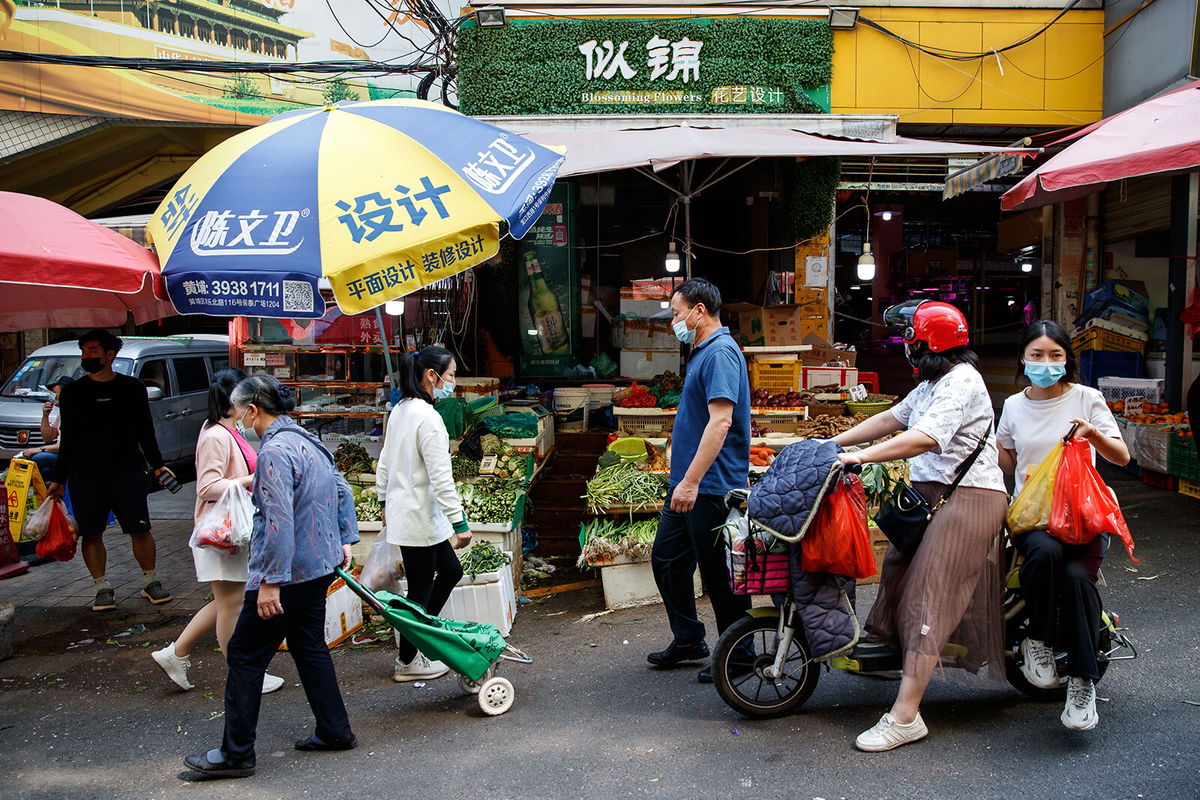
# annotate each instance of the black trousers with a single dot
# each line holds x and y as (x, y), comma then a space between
(251, 648)
(432, 573)
(1058, 582)
(683, 542)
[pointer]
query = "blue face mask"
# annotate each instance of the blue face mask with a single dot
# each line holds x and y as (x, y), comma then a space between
(682, 332)
(443, 391)
(1044, 374)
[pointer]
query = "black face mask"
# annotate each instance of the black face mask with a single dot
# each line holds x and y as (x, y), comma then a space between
(91, 365)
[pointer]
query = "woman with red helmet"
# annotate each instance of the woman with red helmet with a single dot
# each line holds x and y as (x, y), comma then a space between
(948, 590)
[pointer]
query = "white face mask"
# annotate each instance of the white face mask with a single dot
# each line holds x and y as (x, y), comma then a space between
(241, 427)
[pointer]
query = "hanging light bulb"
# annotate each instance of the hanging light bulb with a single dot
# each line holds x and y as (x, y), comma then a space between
(664, 304)
(886, 216)
(672, 259)
(866, 264)
(394, 307)
(1026, 266)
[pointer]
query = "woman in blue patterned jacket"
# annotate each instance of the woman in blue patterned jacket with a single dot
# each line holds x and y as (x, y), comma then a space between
(304, 524)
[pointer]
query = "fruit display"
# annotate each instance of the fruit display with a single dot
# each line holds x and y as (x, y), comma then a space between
(638, 397)
(761, 456)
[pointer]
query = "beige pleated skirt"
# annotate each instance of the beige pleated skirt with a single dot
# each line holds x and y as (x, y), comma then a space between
(951, 590)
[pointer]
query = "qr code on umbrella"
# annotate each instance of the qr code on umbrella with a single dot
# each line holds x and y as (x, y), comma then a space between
(297, 296)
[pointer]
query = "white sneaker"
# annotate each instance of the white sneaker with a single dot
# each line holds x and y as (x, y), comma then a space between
(272, 683)
(887, 734)
(1038, 664)
(419, 669)
(175, 667)
(1080, 711)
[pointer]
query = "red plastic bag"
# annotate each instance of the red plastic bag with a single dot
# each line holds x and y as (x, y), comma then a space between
(61, 532)
(1083, 506)
(838, 540)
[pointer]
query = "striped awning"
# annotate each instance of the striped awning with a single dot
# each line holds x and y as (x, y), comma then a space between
(982, 171)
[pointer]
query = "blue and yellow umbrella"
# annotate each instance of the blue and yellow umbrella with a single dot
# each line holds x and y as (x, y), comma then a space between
(380, 197)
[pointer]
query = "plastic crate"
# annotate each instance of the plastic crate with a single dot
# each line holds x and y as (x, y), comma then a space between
(1183, 461)
(643, 421)
(1158, 479)
(1097, 364)
(1117, 389)
(1190, 488)
(1100, 339)
(775, 377)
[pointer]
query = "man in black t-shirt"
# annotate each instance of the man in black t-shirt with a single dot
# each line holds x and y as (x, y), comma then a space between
(107, 441)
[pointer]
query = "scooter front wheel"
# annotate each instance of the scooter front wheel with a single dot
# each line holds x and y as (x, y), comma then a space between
(744, 653)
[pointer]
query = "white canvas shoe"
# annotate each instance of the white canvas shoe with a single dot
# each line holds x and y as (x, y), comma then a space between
(887, 734)
(175, 667)
(272, 683)
(1080, 711)
(419, 669)
(1037, 664)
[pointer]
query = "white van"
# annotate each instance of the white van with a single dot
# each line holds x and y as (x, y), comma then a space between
(177, 371)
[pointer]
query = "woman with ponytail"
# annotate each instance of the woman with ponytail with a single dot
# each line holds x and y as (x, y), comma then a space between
(223, 457)
(422, 510)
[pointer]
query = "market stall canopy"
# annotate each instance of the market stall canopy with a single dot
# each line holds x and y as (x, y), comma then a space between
(659, 148)
(59, 270)
(1160, 136)
(380, 197)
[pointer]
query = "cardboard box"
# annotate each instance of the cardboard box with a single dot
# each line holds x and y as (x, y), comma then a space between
(844, 377)
(343, 614)
(823, 352)
(779, 326)
(645, 364)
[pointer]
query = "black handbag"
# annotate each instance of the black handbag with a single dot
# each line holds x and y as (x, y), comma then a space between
(905, 515)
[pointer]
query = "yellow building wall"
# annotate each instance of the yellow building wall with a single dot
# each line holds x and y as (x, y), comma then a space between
(1054, 80)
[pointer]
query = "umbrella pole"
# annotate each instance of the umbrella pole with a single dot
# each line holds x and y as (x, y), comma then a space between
(387, 352)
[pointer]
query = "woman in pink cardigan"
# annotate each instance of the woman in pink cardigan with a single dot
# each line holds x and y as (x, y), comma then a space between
(223, 456)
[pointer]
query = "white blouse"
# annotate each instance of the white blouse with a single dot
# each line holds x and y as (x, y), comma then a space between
(414, 478)
(956, 412)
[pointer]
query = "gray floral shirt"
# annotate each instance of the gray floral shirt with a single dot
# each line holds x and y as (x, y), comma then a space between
(956, 412)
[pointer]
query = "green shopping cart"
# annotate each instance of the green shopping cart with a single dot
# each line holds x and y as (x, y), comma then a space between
(471, 649)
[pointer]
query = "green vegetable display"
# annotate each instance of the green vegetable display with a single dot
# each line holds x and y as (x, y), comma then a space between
(491, 444)
(488, 503)
(603, 540)
(625, 485)
(484, 557)
(464, 468)
(366, 504)
(351, 458)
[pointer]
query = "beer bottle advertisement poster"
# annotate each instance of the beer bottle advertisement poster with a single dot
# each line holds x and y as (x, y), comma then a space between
(549, 291)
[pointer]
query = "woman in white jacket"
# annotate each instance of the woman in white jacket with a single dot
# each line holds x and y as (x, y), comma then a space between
(422, 510)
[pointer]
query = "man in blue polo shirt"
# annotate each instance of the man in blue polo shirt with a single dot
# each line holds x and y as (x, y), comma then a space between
(710, 454)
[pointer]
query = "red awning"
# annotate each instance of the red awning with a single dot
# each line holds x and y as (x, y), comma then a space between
(1157, 137)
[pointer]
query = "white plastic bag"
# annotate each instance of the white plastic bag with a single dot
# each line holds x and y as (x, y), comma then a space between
(227, 525)
(37, 523)
(384, 567)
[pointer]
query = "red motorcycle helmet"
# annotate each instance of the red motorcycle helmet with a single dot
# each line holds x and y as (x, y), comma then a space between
(940, 325)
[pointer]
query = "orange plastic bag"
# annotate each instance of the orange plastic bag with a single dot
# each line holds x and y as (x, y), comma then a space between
(838, 540)
(61, 532)
(1084, 507)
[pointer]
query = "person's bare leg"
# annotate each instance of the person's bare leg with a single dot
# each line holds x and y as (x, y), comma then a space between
(143, 549)
(918, 670)
(95, 556)
(202, 623)
(228, 597)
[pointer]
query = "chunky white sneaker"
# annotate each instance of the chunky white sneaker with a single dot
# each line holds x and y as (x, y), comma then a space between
(887, 734)
(1037, 664)
(419, 669)
(175, 667)
(272, 683)
(1080, 711)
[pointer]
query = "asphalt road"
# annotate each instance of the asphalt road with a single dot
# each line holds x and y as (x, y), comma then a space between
(590, 720)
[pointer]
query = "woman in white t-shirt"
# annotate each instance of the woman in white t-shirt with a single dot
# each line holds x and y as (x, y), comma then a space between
(950, 590)
(1058, 580)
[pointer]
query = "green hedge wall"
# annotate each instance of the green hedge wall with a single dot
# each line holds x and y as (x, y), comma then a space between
(535, 67)
(809, 192)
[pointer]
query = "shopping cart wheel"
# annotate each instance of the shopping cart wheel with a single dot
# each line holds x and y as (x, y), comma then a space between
(469, 686)
(496, 696)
